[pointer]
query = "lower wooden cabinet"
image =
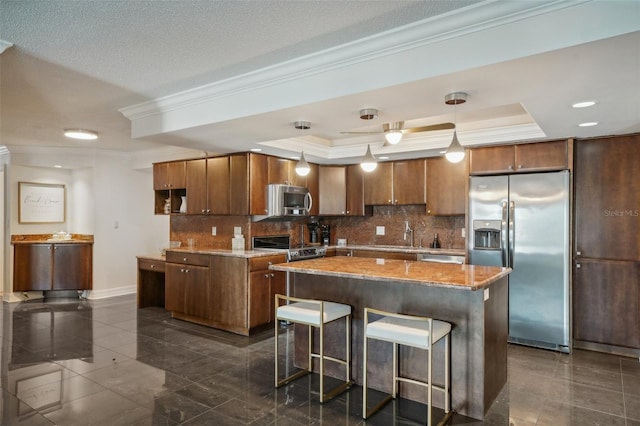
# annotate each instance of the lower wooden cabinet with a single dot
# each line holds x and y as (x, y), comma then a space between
(231, 293)
(606, 302)
(52, 266)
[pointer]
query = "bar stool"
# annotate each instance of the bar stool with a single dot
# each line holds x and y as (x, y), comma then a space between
(314, 313)
(407, 330)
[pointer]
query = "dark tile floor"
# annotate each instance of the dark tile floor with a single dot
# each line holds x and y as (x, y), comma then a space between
(105, 362)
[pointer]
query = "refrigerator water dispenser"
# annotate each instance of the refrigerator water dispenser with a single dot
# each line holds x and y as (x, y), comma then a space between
(486, 234)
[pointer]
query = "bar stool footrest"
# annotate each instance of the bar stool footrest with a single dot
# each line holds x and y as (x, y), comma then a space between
(292, 377)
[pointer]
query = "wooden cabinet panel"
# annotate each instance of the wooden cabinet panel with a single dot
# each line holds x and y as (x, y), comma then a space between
(218, 186)
(196, 291)
(607, 190)
(229, 292)
(259, 295)
(446, 187)
(32, 267)
(239, 184)
(378, 185)
(355, 190)
(495, 159)
(541, 156)
(409, 182)
(312, 181)
(174, 291)
(278, 170)
(258, 179)
(606, 302)
(72, 266)
(169, 175)
(196, 186)
(333, 190)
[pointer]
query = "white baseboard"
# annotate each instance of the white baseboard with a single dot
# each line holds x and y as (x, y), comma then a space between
(110, 292)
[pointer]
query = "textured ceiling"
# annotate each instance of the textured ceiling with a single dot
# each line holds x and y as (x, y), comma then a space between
(78, 63)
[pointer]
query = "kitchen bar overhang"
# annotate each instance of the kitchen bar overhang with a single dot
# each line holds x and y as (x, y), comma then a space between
(474, 299)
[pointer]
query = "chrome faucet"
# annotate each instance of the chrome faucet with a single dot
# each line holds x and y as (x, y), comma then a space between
(408, 232)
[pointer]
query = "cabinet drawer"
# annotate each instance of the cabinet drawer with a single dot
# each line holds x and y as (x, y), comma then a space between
(188, 258)
(260, 263)
(151, 265)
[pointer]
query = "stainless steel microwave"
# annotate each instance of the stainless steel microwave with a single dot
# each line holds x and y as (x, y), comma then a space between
(288, 201)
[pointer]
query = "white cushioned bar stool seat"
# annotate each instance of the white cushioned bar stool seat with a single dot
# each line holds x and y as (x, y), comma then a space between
(408, 330)
(314, 313)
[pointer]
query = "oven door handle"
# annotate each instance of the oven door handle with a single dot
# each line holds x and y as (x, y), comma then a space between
(308, 202)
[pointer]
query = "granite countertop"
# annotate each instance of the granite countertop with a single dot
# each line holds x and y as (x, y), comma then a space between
(47, 239)
(405, 249)
(248, 254)
(464, 277)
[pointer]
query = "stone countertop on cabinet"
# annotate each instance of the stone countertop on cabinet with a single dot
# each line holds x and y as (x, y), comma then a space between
(47, 239)
(463, 277)
(247, 254)
(154, 257)
(404, 249)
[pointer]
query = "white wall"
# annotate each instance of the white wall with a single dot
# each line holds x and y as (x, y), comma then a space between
(109, 191)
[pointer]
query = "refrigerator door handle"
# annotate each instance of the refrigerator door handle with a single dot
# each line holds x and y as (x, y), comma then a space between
(503, 233)
(512, 232)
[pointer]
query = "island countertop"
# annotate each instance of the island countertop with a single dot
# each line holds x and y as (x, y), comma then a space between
(464, 277)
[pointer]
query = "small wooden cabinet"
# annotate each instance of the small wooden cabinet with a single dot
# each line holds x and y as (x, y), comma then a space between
(187, 285)
(264, 284)
(151, 282)
(52, 266)
(446, 187)
(540, 156)
(333, 190)
(169, 175)
(396, 183)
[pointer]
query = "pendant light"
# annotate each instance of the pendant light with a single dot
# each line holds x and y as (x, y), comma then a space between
(455, 152)
(369, 162)
(302, 168)
(393, 132)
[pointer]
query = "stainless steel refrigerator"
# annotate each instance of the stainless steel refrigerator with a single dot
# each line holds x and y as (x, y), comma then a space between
(522, 221)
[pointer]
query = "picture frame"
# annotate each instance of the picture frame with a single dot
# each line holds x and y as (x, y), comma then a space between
(41, 202)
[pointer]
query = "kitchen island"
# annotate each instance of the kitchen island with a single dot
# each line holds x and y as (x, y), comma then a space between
(474, 299)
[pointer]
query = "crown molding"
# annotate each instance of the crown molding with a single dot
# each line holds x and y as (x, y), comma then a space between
(4, 45)
(464, 21)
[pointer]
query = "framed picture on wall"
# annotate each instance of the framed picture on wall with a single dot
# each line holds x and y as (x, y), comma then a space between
(41, 203)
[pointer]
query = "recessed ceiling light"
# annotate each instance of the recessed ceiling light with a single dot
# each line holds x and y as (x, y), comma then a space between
(588, 124)
(384, 157)
(57, 166)
(256, 150)
(86, 135)
(584, 104)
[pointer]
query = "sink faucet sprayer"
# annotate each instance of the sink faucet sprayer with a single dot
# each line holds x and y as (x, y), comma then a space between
(408, 232)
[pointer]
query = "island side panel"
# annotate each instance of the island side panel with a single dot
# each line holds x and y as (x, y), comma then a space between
(464, 309)
(496, 326)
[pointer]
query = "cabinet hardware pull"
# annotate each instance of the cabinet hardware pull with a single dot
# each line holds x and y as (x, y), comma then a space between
(578, 266)
(153, 266)
(510, 167)
(184, 259)
(519, 166)
(272, 275)
(266, 275)
(578, 253)
(202, 211)
(186, 270)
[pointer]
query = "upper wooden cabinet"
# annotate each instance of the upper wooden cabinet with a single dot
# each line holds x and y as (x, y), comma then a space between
(208, 186)
(355, 191)
(446, 187)
(333, 190)
(396, 183)
(540, 156)
(170, 175)
(607, 190)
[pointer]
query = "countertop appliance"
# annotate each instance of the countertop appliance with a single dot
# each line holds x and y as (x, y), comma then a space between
(522, 221)
(281, 243)
(286, 202)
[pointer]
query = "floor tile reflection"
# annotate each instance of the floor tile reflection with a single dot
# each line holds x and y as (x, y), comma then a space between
(105, 362)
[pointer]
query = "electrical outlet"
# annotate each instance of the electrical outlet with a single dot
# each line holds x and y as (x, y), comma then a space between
(464, 233)
(486, 294)
(116, 224)
(237, 230)
(214, 230)
(379, 230)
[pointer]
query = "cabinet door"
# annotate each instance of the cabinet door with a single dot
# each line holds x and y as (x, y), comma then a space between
(160, 176)
(355, 190)
(72, 266)
(196, 291)
(607, 190)
(496, 159)
(409, 184)
(239, 184)
(258, 178)
(278, 286)
(446, 187)
(177, 174)
(312, 181)
(218, 190)
(606, 302)
(278, 170)
(259, 298)
(197, 186)
(32, 267)
(333, 190)
(174, 294)
(378, 185)
(229, 292)
(541, 156)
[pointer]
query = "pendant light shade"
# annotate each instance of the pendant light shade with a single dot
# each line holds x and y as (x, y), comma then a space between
(393, 137)
(369, 162)
(455, 152)
(302, 168)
